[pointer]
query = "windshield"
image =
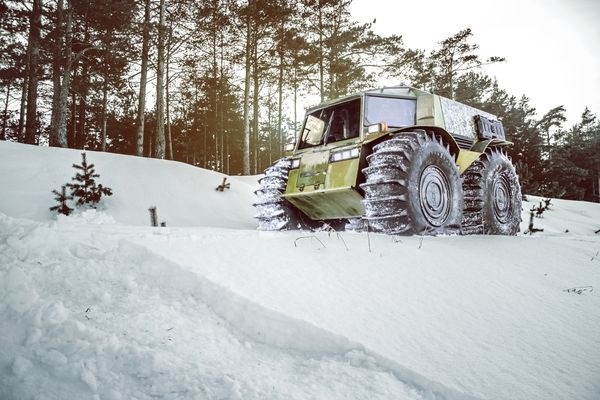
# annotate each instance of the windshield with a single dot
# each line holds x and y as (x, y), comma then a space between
(331, 124)
(395, 112)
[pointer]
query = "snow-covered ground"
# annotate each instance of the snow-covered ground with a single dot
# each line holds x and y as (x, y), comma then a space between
(99, 305)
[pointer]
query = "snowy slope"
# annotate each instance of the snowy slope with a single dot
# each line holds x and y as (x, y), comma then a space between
(99, 305)
(183, 195)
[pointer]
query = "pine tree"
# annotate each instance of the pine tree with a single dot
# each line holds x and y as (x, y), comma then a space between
(62, 198)
(86, 191)
(441, 71)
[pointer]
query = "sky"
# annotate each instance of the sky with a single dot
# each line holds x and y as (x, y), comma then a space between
(551, 46)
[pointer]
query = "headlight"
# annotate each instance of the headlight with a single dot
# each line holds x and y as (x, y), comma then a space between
(376, 128)
(295, 163)
(344, 154)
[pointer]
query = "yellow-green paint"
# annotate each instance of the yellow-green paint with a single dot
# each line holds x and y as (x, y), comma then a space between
(292, 183)
(324, 189)
(332, 195)
(482, 145)
(342, 173)
(342, 202)
(313, 168)
(465, 159)
(429, 109)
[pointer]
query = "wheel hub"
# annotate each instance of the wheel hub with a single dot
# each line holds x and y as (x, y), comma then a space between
(434, 195)
(501, 199)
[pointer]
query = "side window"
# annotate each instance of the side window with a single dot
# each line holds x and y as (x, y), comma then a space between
(344, 122)
(331, 124)
(313, 131)
(393, 111)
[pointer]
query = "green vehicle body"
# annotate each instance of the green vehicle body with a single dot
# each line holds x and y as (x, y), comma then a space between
(325, 177)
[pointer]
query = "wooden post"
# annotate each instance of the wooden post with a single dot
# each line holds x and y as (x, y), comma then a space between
(153, 216)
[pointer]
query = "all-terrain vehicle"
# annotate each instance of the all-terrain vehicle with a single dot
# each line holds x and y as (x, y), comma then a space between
(395, 160)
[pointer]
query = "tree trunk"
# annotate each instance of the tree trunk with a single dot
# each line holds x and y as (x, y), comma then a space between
(598, 187)
(35, 22)
(215, 77)
(104, 113)
(321, 55)
(269, 122)
(280, 105)
(159, 144)
(71, 139)
(150, 141)
(295, 103)
(246, 141)
(23, 109)
(218, 127)
(168, 107)
(143, 77)
(255, 122)
(224, 130)
(61, 76)
(80, 136)
(56, 68)
(331, 73)
(205, 149)
(5, 114)
(66, 79)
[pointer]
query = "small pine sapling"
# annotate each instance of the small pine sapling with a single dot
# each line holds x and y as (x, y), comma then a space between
(223, 186)
(85, 189)
(539, 210)
(62, 197)
(544, 206)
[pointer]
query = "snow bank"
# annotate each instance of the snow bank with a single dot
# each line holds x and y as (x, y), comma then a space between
(489, 316)
(183, 195)
(113, 320)
(99, 305)
(563, 217)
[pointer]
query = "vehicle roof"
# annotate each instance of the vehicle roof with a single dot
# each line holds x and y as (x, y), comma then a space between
(392, 91)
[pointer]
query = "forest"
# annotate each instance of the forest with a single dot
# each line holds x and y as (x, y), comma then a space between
(221, 84)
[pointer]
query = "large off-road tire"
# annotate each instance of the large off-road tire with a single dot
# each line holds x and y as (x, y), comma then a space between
(412, 187)
(492, 196)
(273, 211)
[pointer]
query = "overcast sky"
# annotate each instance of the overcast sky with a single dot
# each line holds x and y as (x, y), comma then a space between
(552, 47)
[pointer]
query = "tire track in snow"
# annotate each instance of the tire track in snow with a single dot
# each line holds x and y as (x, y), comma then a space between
(111, 320)
(271, 328)
(271, 337)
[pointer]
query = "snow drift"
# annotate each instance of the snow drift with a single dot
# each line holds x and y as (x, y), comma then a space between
(100, 305)
(182, 194)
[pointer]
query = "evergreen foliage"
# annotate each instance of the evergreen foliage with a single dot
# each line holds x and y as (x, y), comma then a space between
(232, 68)
(85, 190)
(62, 198)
